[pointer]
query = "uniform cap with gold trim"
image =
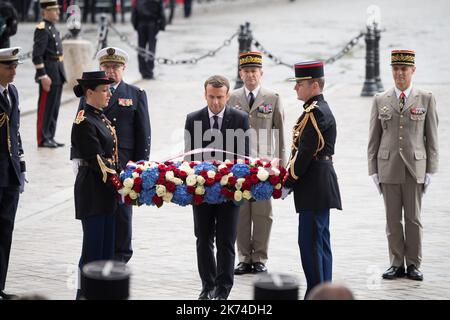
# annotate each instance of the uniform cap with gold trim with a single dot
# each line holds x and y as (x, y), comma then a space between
(49, 4)
(10, 55)
(403, 57)
(250, 59)
(112, 54)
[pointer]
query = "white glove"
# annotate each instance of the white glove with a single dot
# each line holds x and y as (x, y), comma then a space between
(427, 181)
(285, 192)
(23, 179)
(377, 182)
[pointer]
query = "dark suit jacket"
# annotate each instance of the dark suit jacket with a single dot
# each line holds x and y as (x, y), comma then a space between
(10, 164)
(197, 123)
(132, 122)
(316, 186)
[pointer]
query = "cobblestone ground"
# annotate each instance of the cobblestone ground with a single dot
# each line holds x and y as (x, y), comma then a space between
(47, 238)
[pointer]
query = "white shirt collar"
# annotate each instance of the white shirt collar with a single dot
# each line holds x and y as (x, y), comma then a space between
(116, 85)
(2, 88)
(255, 92)
(407, 91)
(220, 114)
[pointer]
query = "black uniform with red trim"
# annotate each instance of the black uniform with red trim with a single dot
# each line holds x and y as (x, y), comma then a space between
(48, 61)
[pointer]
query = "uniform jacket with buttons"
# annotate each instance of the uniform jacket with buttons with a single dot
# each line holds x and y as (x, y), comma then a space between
(266, 113)
(128, 112)
(91, 138)
(403, 140)
(10, 158)
(47, 48)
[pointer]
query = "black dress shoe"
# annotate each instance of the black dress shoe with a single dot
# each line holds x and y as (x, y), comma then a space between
(6, 296)
(394, 272)
(259, 267)
(48, 144)
(243, 268)
(58, 144)
(413, 273)
(206, 295)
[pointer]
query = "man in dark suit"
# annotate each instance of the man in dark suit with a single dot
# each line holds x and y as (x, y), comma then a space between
(50, 73)
(128, 112)
(12, 164)
(311, 173)
(216, 220)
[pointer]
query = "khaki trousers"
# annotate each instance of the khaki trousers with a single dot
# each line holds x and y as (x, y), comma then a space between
(255, 223)
(405, 244)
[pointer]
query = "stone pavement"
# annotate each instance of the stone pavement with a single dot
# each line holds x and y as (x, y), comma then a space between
(47, 238)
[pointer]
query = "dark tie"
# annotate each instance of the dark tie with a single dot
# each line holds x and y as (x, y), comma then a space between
(112, 89)
(5, 95)
(251, 99)
(216, 122)
(401, 101)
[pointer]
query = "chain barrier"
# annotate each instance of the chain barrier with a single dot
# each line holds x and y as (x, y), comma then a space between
(353, 42)
(151, 55)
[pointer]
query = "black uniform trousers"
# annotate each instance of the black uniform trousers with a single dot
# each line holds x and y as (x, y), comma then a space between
(187, 8)
(9, 198)
(147, 40)
(89, 8)
(48, 110)
(123, 248)
(219, 220)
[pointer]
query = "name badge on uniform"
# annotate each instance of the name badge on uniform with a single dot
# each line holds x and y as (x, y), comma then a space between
(125, 102)
(418, 110)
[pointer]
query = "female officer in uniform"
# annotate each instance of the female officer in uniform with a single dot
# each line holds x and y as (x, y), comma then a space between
(94, 151)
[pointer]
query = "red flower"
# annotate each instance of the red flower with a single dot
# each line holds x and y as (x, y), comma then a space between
(224, 171)
(276, 194)
(137, 188)
(192, 164)
(230, 194)
(218, 177)
(274, 180)
(190, 189)
(254, 179)
(138, 170)
(253, 170)
(204, 174)
(162, 168)
(267, 165)
(182, 174)
(282, 171)
(229, 165)
(209, 181)
(258, 163)
(158, 201)
(137, 181)
(161, 181)
(170, 186)
(232, 180)
(162, 175)
(247, 185)
(197, 199)
(224, 191)
(168, 163)
(246, 161)
(128, 200)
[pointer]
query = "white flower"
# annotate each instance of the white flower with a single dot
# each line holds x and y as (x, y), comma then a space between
(238, 195)
(133, 195)
(262, 174)
(178, 181)
(275, 171)
(247, 194)
(191, 180)
(135, 174)
(224, 180)
(239, 183)
(278, 186)
(200, 180)
(227, 161)
(160, 190)
(240, 161)
(200, 190)
(128, 183)
(168, 197)
(170, 176)
(211, 174)
(124, 191)
(222, 166)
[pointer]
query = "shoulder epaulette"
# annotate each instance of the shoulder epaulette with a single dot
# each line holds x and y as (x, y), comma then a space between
(141, 89)
(80, 117)
(40, 25)
(311, 107)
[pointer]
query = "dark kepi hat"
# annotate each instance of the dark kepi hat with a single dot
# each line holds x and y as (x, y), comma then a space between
(49, 4)
(308, 70)
(403, 57)
(250, 59)
(94, 78)
(105, 280)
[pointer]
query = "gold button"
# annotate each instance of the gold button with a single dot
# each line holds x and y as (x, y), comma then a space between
(401, 149)
(250, 116)
(401, 116)
(401, 127)
(401, 138)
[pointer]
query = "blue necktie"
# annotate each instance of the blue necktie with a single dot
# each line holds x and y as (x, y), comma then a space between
(112, 89)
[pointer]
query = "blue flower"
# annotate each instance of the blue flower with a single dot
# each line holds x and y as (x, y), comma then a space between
(205, 166)
(126, 174)
(181, 196)
(240, 170)
(149, 178)
(145, 197)
(213, 195)
(262, 191)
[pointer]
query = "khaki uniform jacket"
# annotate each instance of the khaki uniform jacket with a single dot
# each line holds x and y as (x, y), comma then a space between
(266, 113)
(403, 139)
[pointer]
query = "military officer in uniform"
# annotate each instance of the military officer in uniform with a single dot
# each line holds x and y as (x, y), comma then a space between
(128, 112)
(311, 173)
(266, 117)
(402, 157)
(50, 74)
(12, 163)
(94, 151)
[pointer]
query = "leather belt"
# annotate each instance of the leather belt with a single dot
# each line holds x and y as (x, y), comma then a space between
(55, 58)
(323, 158)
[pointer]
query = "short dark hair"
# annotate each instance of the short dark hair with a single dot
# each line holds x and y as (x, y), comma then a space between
(320, 81)
(217, 81)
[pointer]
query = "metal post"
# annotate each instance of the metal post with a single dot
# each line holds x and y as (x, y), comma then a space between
(377, 58)
(242, 40)
(103, 31)
(249, 37)
(370, 86)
